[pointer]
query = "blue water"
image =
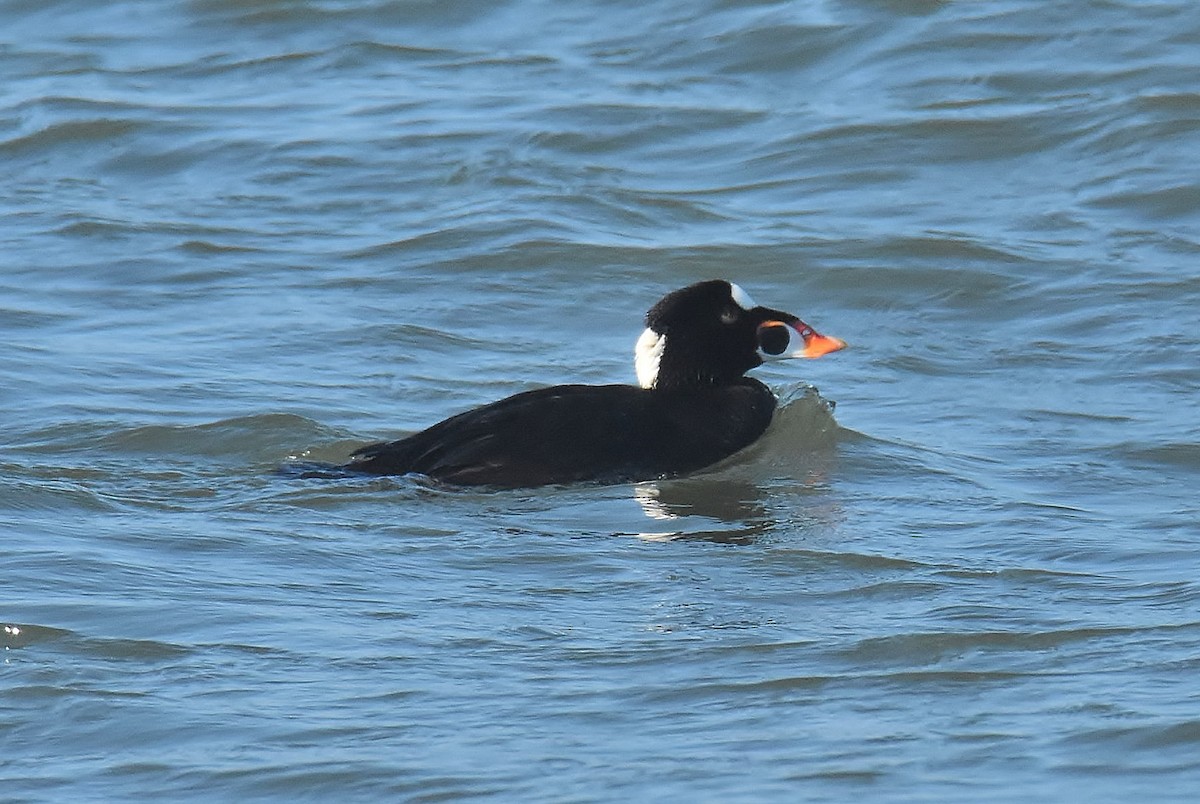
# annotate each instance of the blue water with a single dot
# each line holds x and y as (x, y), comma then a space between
(240, 235)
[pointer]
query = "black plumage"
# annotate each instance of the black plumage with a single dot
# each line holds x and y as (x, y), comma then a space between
(694, 409)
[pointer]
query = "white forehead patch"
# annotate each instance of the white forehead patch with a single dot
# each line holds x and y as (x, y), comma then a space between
(647, 354)
(741, 298)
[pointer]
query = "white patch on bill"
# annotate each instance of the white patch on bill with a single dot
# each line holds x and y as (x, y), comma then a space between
(741, 298)
(647, 354)
(785, 350)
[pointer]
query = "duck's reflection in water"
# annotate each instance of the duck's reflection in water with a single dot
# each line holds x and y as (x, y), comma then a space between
(724, 510)
(736, 510)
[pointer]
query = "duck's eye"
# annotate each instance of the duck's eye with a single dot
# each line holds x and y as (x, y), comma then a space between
(773, 339)
(729, 315)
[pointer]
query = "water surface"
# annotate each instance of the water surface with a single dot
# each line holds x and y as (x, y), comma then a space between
(237, 235)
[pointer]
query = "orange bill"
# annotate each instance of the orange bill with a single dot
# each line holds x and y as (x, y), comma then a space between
(816, 344)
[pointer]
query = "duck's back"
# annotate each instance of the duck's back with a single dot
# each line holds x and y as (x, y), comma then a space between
(573, 433)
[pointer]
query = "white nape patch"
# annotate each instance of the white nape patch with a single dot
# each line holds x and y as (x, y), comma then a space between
(647, 354)
(741, 298)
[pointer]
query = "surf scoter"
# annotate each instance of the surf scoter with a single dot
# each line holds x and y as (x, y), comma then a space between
(693, 407)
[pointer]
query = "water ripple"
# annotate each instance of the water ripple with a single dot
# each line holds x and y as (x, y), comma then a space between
(244, 234)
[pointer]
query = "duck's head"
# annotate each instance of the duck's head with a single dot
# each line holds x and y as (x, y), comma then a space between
(712, 333)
